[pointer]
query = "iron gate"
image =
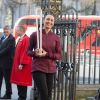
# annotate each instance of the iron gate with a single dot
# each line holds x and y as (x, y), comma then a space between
(74, 62)
(65, 80)
(73, 68)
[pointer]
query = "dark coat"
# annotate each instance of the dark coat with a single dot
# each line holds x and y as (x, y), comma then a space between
(1, 39)
(7, 49)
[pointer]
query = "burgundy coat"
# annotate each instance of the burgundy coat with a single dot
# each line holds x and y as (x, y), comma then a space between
(51, 44)
(22, 77)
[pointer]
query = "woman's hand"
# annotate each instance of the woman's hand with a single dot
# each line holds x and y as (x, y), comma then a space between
(40, 52)
(20, 67)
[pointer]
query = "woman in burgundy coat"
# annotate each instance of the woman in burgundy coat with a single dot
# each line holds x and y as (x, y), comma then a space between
(43, 66)
(21, 71)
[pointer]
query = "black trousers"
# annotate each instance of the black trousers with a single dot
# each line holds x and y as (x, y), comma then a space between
(44, 83)
(22, 92)
(1, 78)
(6, 74)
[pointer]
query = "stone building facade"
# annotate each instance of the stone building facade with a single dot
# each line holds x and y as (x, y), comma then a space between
(11, 10)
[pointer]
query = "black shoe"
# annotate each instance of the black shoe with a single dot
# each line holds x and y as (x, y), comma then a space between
(21, 99)
(6, 97)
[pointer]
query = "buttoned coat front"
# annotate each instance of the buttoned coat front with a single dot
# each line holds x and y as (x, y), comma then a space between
(22, 77)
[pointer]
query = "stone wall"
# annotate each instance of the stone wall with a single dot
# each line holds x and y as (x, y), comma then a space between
(24, 7)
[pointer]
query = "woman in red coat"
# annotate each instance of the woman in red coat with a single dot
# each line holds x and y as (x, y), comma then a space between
(21, 71)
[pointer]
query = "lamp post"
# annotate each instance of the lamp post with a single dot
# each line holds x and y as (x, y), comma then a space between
(94, 8)
(77, 5)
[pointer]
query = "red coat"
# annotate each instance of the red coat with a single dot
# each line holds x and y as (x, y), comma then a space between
(22, 77)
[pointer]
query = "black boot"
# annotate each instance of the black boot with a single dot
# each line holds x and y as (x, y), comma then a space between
(6, 97)
(0, 93)
(21, 98)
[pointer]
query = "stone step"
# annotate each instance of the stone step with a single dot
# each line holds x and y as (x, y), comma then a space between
(90, 98)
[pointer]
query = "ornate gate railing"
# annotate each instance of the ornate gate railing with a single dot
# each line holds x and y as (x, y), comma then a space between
(73, 68)
(65, 79)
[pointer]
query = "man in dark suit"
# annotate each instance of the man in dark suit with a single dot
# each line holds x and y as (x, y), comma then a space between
(2, 36)
(7, 49)
(1, 75)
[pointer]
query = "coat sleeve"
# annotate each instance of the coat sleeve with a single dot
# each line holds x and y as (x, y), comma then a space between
(10, 45)
(57, 55)
(24, 58)
(31, 46)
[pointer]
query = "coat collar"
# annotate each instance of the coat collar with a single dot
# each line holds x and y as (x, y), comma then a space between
(43, 31)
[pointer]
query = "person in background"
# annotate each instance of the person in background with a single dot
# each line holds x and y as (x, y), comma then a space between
(1, 77)
(2, 36)
(44, 66)
(21, 71)
(7, 48)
